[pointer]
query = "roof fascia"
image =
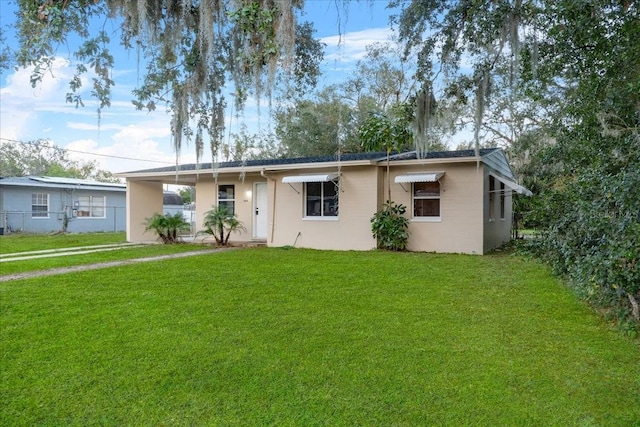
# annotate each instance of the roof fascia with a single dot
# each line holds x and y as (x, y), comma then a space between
(433, 161)
(62, 186)
(318, 165)
(249, 169)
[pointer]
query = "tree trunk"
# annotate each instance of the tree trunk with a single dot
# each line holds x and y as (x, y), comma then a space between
(635, 310)
(221, 232)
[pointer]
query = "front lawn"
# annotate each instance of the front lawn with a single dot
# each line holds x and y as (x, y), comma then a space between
(300, 337)
(19, 242)
(8, 267)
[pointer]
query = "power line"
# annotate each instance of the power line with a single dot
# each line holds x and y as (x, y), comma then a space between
(92, 154)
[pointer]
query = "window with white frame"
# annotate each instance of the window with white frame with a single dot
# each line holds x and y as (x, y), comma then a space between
(321, 199)
(426, 199)
(227, 197)
(91, 207)
(40, 205)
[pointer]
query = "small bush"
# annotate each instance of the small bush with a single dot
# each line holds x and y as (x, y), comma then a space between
(167, 226)
(390, 227)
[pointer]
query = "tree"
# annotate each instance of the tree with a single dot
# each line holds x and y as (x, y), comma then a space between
(5, 52)
(192, 50)
(379, 132)
(381, 79)
(328, 121)
(591, 172)
(42, 157)
(186, 193)
(321, 126)
(382, 133)
(558, 84)
(385, 84)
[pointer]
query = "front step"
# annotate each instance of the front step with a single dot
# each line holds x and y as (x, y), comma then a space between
(257, 243)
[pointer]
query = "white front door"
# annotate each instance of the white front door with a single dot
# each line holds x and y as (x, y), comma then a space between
(260, 210)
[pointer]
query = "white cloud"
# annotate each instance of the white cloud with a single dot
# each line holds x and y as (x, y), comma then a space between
(93, 127)
(120, 156)
(20, 104)
(351, 46)
(19, 83)
(142, 145)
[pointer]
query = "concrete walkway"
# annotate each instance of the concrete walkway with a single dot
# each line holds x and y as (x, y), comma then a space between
(96, 266)
(48, 253)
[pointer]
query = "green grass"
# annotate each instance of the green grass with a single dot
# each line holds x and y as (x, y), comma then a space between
(18, 242)
(299, 337)
(124, 253)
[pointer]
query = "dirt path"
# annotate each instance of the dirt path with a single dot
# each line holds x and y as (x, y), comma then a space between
(97, 266)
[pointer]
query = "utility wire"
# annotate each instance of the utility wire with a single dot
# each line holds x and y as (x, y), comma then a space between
(92, 154)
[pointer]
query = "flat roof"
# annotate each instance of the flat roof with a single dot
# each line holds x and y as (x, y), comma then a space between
(347, 157)
(61, 182)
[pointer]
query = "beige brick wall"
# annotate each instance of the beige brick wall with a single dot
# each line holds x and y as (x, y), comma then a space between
(358, 201)
(459, 229)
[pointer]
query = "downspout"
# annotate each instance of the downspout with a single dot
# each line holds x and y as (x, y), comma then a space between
(273, 216)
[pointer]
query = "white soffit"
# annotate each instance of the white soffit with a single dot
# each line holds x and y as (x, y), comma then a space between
(419, 177)
(310, 178)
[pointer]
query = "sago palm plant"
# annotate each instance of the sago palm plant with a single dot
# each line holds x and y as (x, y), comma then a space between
(167, 227)
(220, 223)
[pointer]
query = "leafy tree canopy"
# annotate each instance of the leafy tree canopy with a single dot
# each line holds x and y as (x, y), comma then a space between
(380, 84)
(191, 50)
(186, 194)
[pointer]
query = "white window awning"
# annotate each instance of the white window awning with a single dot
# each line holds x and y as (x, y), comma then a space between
(419, 177)
(310, 178)
(517, 188)
(514, 186)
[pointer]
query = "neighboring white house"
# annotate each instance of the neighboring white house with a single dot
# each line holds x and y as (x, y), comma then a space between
(457, 201)
(41, 204)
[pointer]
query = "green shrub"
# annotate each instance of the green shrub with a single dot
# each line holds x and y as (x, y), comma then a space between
(590, 233)
(390, 227)
(167, 227)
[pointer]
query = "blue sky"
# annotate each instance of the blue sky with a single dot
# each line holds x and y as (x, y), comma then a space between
(28, 114)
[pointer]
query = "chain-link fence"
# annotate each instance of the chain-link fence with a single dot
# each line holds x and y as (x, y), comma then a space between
(113, 219)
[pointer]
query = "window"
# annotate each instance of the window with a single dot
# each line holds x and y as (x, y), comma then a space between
(321, 199)
(502, 200)
(492, 198)
(426, 199)
(39, 205)
(91, 207)
(227, 197)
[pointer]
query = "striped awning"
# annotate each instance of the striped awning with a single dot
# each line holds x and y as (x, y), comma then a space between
(310, 178)
(419, 177)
